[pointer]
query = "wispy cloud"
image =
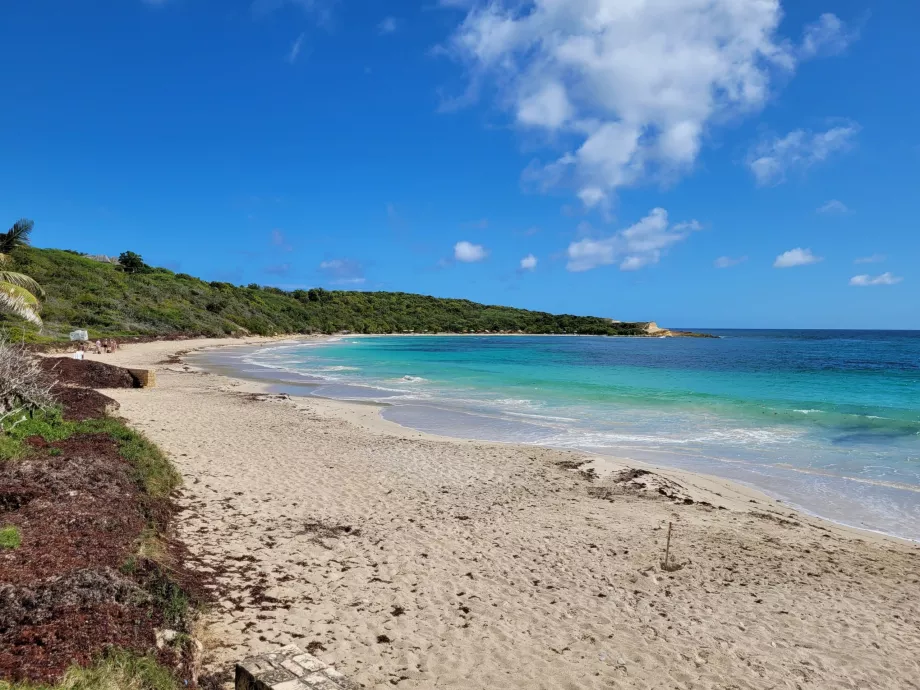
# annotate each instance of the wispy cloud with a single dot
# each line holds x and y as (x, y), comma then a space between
(295, 49)
(796, 257)
(637, 246)
(467, 252)
(868, 281)
(342, 272)
(728, 261)
(873, 259)
(827, 36)
(635, 85)
(833, 207)
(278, 269)
(388, 26)
(773, 158)
(529, 263)
(280, 241)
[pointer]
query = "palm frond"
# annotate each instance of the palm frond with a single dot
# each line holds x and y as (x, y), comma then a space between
(23, 281)
(17, 236)
(15, 300)
(22, 293)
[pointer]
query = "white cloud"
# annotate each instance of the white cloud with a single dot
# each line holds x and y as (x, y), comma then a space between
(387, 26)
(827, 36)
(629, 87)
(833, 206)
(295, 49)
(873, 259)
(771, 159)
(529, 263)
(728, 261)
(796, 257)
(635, 247)
(867, 280)
(468, 252)
(343, 271)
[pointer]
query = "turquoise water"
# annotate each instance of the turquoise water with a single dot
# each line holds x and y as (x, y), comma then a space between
(828, 421)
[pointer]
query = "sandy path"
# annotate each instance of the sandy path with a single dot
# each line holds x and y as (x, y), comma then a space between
(427, 563)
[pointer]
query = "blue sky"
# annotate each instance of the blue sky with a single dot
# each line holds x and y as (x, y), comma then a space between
(728, 163)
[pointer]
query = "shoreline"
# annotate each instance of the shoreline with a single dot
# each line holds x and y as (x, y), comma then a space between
(266, 382)
(484, 562)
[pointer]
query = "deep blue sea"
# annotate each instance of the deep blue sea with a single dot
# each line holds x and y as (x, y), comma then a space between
(828, 421)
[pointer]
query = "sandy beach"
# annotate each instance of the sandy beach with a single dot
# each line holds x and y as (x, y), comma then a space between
(413, 561)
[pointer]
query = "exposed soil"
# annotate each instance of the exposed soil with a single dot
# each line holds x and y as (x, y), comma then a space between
(77, 586)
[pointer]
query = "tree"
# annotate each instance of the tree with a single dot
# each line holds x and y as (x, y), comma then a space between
(19, 294)
(132, 262)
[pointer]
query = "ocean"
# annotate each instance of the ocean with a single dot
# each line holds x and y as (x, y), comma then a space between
(826, 421)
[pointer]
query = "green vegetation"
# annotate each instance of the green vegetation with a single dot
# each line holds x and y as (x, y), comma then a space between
(152, 469)
(18, 292)
(109, 301)
(10, 537)
(132, 262)
(117, 670)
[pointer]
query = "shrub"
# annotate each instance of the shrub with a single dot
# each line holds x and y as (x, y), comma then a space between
(23, 384)
(131, 262)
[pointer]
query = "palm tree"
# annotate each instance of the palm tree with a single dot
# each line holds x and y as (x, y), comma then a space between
(18, 292)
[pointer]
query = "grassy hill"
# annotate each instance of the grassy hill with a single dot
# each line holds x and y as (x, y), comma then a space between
(103, 298)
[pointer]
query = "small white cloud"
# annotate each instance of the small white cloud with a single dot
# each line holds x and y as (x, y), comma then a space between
(728, 261)
(343, 271)
(796, 257)
(827, 36)
(866, 280)
(467, 252)
(387, 26)
(771, 159)
(874, 259)
(833, 206)
(635, 247)
(295, 49)
(529, 263)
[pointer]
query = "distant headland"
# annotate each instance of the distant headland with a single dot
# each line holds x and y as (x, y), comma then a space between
(111, 298)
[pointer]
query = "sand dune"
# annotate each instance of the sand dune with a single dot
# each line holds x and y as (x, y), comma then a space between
(416, 562)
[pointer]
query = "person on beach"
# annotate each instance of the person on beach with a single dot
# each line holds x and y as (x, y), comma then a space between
(98, 347)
